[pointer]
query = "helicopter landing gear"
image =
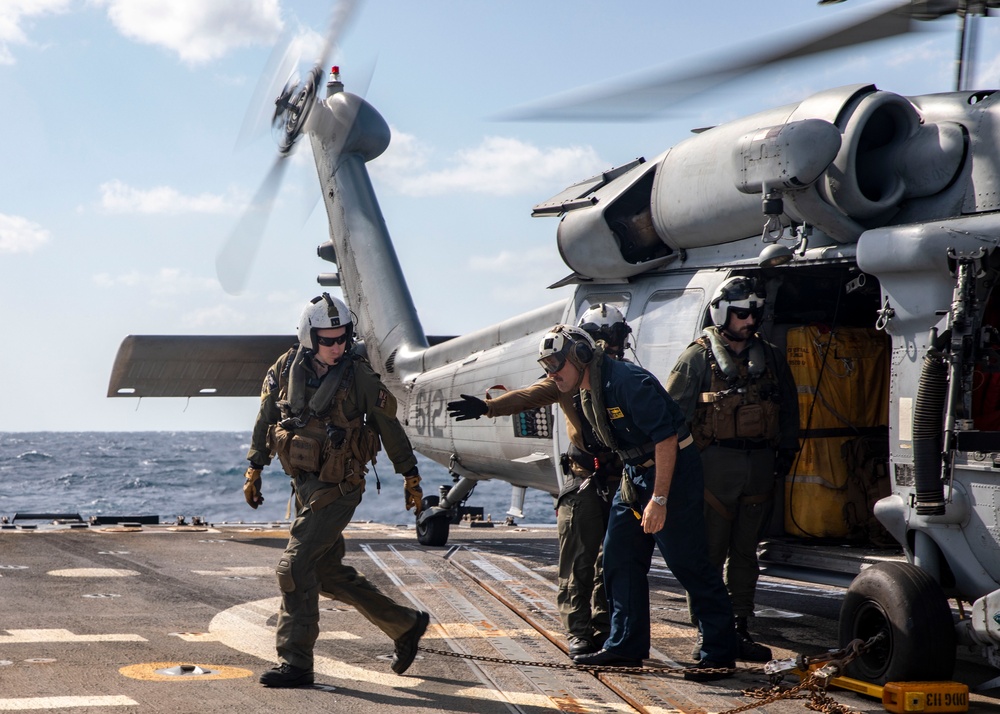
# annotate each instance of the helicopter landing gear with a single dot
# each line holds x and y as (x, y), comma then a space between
(908, 605)
(433, 530)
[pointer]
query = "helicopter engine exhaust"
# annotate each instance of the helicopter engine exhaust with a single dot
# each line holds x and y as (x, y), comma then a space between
(845, 160)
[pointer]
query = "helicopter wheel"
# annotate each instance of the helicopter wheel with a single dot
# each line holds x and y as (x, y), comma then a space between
(433, 531)
(910, 608)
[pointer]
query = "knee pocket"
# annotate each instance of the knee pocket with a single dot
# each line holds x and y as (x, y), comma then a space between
(284, 572)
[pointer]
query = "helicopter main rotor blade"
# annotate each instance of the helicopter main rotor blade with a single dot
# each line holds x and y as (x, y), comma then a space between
(341, 17)
(234, 260)
(279, 70)
(655, 92)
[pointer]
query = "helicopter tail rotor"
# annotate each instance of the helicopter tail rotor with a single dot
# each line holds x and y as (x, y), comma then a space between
(289, 119)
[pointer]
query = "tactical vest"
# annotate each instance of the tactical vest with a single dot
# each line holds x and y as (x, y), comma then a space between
(326, 442)
(738, 407)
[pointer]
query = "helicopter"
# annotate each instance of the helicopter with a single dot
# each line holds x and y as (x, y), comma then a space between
(879, 248)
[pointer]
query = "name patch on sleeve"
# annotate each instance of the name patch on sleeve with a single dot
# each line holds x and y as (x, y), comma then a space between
(616, 413)
(381, 399)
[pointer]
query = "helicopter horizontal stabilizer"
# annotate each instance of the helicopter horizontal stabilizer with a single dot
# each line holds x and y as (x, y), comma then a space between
(194, 365)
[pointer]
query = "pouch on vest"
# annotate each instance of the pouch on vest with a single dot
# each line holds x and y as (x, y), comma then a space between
(750, 421)
(303, 453)
(278, 442)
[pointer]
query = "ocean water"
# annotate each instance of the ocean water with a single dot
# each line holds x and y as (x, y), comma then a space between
(186, 473)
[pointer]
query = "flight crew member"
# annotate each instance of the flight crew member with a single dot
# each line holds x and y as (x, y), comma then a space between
(323, 411)
(659, 503)
(592, 472)
(739, 398)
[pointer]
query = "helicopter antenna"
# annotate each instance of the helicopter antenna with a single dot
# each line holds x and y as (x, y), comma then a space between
(968, 35)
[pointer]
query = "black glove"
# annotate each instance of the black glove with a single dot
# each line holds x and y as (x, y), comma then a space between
(783, 461)
(468, 408)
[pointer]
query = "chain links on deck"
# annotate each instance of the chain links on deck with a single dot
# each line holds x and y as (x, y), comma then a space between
(816, 682)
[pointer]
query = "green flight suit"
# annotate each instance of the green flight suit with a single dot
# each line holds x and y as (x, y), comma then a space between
(312, 563)
(581, 517)
(739, 473)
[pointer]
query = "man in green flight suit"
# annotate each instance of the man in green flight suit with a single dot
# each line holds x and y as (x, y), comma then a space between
(741, 404)
(591, 472)
(322, 412)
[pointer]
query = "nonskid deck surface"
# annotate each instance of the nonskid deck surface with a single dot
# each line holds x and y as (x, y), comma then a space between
(181, 619)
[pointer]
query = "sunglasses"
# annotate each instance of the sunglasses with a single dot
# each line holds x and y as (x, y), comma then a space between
(744, 314)
(331, 341)
(552, 363)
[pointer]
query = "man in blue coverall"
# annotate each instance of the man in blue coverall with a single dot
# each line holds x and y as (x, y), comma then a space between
(660, 502)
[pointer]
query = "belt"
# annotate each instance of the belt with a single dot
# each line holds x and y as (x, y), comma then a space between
(742, 444)
(682, 444)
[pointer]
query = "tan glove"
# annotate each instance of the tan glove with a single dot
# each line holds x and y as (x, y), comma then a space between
(251, 487)
(414, 494)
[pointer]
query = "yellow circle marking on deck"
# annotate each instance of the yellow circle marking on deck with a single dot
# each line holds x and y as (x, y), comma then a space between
(148, 672)
(93, 573)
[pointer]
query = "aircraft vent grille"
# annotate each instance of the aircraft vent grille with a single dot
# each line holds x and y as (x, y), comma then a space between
(390, 364)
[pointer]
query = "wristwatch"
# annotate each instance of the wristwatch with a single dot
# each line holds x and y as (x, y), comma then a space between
(659, 500)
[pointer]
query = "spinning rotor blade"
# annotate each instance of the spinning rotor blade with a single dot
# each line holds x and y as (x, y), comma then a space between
(655, 92)
(289, 114)
(279, 71)
(237, 255)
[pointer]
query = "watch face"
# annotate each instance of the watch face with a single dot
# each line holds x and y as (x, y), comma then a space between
(659, 500)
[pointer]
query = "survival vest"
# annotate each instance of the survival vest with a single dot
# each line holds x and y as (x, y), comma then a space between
(315, 435)
(742, 399)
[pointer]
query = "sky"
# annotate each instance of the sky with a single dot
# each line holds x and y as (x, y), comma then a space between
(125, 166)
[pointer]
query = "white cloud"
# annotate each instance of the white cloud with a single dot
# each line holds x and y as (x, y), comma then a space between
(198, 31)
(13, 14)
(117, 197)
(19, 235)
(498, 166)
(165, 282)
(517, 276)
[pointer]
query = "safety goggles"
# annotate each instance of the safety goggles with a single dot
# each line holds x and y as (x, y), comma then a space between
(331, 341)
(553, 363)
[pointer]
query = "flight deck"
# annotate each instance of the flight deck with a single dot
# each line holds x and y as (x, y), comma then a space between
(180, 618)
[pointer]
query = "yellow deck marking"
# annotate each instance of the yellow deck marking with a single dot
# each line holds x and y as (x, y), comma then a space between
(43, 703)
(92, 573)
(148, 672)
(21, 636)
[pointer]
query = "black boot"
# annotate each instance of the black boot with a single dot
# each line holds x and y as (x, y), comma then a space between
(750, 651)
(287, 675)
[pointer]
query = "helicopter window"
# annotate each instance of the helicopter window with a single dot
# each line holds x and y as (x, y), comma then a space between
(619, 300)
(668, 325)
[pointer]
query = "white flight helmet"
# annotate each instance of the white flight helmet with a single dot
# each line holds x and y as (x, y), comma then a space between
(321, 313)
(606, 322)
(739, 293)
(562, 343)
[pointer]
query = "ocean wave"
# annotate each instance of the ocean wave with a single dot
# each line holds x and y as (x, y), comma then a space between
(34, 456)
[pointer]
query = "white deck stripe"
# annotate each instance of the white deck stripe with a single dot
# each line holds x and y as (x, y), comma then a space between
(40, 703)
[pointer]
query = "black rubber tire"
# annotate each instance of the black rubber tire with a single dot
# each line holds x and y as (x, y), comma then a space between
(433, 531)
(908, 605)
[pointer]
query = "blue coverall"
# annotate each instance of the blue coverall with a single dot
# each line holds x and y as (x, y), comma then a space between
(640, 414)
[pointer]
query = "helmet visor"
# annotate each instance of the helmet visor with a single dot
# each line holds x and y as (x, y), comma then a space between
(553, 363)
